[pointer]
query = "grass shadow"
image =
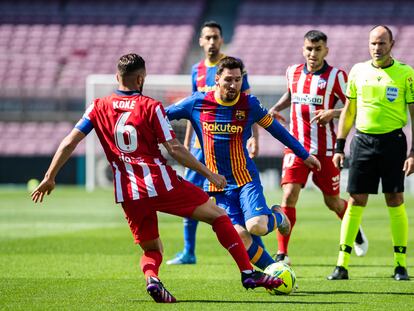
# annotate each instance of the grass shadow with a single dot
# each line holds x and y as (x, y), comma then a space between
(348, 292)
(251, 302)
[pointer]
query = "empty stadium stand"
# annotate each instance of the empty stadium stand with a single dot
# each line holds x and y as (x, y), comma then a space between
(268, 35)
(49, 47)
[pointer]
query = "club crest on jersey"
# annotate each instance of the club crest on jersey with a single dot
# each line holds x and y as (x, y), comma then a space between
(322, 83)
(391, 93)
(240, 115)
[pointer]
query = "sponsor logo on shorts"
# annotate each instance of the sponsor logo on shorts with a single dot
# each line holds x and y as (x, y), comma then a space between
(335, 182)
(335, 178)
(259, 208)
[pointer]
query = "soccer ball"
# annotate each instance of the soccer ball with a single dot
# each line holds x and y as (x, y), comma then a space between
(282, 271)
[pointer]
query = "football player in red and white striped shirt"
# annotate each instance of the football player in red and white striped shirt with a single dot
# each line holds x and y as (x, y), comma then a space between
(130, 126)
(314, 90)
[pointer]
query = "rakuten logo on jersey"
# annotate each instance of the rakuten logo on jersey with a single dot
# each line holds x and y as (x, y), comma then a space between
(307, 99)
(217, 128)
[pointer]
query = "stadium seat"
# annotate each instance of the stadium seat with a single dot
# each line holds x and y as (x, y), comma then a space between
(274, 30)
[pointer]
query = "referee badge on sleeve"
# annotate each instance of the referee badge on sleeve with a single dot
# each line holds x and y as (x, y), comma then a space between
(391, 93)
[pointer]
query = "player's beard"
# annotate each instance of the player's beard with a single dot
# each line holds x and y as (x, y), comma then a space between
(213, 53)
(230, 95)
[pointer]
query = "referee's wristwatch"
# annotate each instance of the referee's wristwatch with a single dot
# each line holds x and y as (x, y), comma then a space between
(340, 145)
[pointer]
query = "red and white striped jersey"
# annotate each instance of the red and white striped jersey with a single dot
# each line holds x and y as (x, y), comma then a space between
(130, 127)
(310, 92)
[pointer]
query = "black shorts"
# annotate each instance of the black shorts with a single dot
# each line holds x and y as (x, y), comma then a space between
(375, 157)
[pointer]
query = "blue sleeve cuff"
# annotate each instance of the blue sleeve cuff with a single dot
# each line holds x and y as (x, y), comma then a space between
(84, 125)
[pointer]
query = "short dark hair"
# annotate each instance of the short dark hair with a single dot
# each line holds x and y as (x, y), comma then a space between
(386, 28)
(212, 24)
(229, 63)
(315, 36)
(129, 64)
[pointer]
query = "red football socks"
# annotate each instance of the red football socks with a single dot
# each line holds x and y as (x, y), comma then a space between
(229, 238)
(150, 263)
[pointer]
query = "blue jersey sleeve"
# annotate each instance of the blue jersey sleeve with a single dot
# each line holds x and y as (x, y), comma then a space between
(276, 129)
(194, 79)
(279, 132)
(181, 109)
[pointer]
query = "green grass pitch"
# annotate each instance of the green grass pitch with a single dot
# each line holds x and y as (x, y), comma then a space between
(75, 252)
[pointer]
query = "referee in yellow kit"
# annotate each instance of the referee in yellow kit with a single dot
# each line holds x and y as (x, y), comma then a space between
(378, 94)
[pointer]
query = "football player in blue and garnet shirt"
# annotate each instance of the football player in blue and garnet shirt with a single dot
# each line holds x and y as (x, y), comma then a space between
(203, 75)
(222, 120)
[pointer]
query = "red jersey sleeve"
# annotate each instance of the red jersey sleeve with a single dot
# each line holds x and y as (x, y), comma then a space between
(340, 85)
(161, 125)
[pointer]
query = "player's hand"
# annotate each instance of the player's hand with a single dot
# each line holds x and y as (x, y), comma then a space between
(313, 162)
(277, 115)
(253, 147)
(409, 165)
(338, 160)
(45, 187)
(323, 117)
(218, 180)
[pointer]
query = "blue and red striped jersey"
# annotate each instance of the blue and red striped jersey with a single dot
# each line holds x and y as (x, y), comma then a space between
(223, 130)
(203, 76)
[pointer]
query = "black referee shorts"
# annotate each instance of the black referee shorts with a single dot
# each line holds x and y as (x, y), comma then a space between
(375, 157)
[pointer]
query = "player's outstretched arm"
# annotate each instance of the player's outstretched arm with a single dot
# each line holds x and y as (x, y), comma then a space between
(188, 135)
(282, 103)
(62, 154)
(324, 116)
(185, 158)
(281, 134)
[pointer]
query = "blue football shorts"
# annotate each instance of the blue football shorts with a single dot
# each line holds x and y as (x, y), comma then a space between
(243, 203)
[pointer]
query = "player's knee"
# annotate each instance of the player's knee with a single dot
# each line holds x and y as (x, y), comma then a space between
(256, 226)
(394, 199)
(208, 212)
(358, 199)
(218, 211)
(215, 212)
(334, 203)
